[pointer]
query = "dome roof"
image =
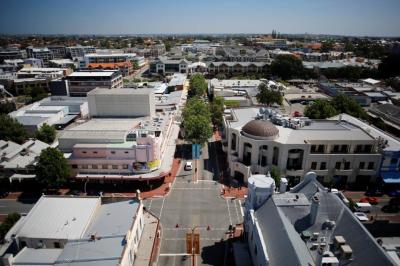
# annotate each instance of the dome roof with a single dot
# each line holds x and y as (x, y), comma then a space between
(260, 128)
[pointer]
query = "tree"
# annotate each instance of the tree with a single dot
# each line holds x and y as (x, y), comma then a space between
(197, 121)
(390, 66)
(8, 223)
(345, 104)
(52, 168)
(267, 96)
(220, 76)
(326, 46)
(217, 110)
(7, 107)
(275, 174)
(36, 93)
(46, 133)
(287, 67)
(198, 85)
(11, 129)
(320, 109)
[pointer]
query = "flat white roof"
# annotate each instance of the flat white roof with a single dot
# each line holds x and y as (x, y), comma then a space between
(59, 217)
(92, 74)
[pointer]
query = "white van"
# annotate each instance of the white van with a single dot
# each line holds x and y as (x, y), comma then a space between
(363, 207)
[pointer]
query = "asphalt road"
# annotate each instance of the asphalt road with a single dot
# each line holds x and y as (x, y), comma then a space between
(192, 203)
(11, 205)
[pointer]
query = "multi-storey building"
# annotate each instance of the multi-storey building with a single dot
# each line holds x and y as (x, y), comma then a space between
(80, 83)
(123, 62)
(341, 153)
(237, 67)
(12, 53)
(79, 51)
(58, 51)
(163, 65)
(40, 53)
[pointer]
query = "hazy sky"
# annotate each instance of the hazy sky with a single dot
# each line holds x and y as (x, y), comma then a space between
(347, 17)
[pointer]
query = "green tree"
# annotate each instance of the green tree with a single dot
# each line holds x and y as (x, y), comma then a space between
(345, 104)
(36, 93)
(321, 109)
(267, 96)
(217, 110)
(8, 223)
(11, 129)
(276, 175)
(327, 46)
(135, 65)
(7, 107)
(197, 121)
(390, 66)
(220, 76)
(52, 168)
(287, 67)
(198, 85)
(46, 133)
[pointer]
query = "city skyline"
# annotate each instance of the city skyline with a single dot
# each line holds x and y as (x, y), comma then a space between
(356, 18)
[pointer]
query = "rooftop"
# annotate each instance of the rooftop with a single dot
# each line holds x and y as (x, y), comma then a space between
(124, 91)
(59, 217)
(93, 73)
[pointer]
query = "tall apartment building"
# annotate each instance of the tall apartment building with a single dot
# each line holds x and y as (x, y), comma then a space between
(79, 51)
(12, 53)
(80, 83)
(58, 51)
(40, 53)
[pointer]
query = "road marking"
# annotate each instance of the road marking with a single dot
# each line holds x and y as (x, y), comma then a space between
(173, 254)
(241, 208)
(229, 212)
(189, 228)
(162, 206)
(184, 239)
(193, 188)
(237, 213)
(149, 207)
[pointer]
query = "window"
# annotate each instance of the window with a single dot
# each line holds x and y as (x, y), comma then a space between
(370, 165)
(104, 166)
(346, 165)
(74, 166)
(343, 148)
(335, 148)
(393, 161)
(124, 166)
(322, 166)
(85, 166)
(126, 152)
(95, 152)
(112, 152)
(361, 165)
(313, 148)
(337, 165)
(94, 166)
(314, 165)
(84, 152)
(368, 148)
(115, 167)
(57, 245)
(321, 148)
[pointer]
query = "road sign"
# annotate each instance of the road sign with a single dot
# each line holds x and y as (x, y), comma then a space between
(196, 148)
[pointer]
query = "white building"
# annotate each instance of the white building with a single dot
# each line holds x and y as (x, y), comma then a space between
(79, 51)
(121, 102)
(310, 225)
(72, 230)
(340, 152)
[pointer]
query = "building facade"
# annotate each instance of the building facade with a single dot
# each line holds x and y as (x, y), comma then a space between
(342, 154)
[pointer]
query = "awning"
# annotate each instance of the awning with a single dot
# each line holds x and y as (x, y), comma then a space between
(392, 177)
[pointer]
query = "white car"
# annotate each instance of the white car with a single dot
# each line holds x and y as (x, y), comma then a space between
(188, 166)
(361, 216)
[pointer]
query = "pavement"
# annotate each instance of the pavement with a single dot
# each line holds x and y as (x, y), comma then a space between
(147, 242)
(196, 202)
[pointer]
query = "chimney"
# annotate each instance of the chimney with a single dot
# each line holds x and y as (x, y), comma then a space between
(314, 209)
(283, 185)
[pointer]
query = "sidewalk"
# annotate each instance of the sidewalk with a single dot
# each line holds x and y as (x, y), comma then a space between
(149, 242)
(238, 193)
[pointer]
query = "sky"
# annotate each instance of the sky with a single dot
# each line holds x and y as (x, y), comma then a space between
(342, 17)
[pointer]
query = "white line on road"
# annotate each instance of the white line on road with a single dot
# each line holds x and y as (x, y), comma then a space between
(162, 206)
(193, 188)
(149, 207)
(229, 212)
(173, 254)
(184, 239)
(189, 228)
(241, 208)
(237, 213)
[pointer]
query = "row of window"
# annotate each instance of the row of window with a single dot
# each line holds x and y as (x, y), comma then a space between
(341, 148)
(346, 165)
(95, 166)
(95, 152)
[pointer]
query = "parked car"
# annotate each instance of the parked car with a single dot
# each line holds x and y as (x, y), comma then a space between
(188, 166)
(370, 200)
(390, 208)
(395, 201)
(363, 207)
(394, 193)
(361, 216)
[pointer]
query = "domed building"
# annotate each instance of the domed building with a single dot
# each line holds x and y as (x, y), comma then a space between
(338, 151)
